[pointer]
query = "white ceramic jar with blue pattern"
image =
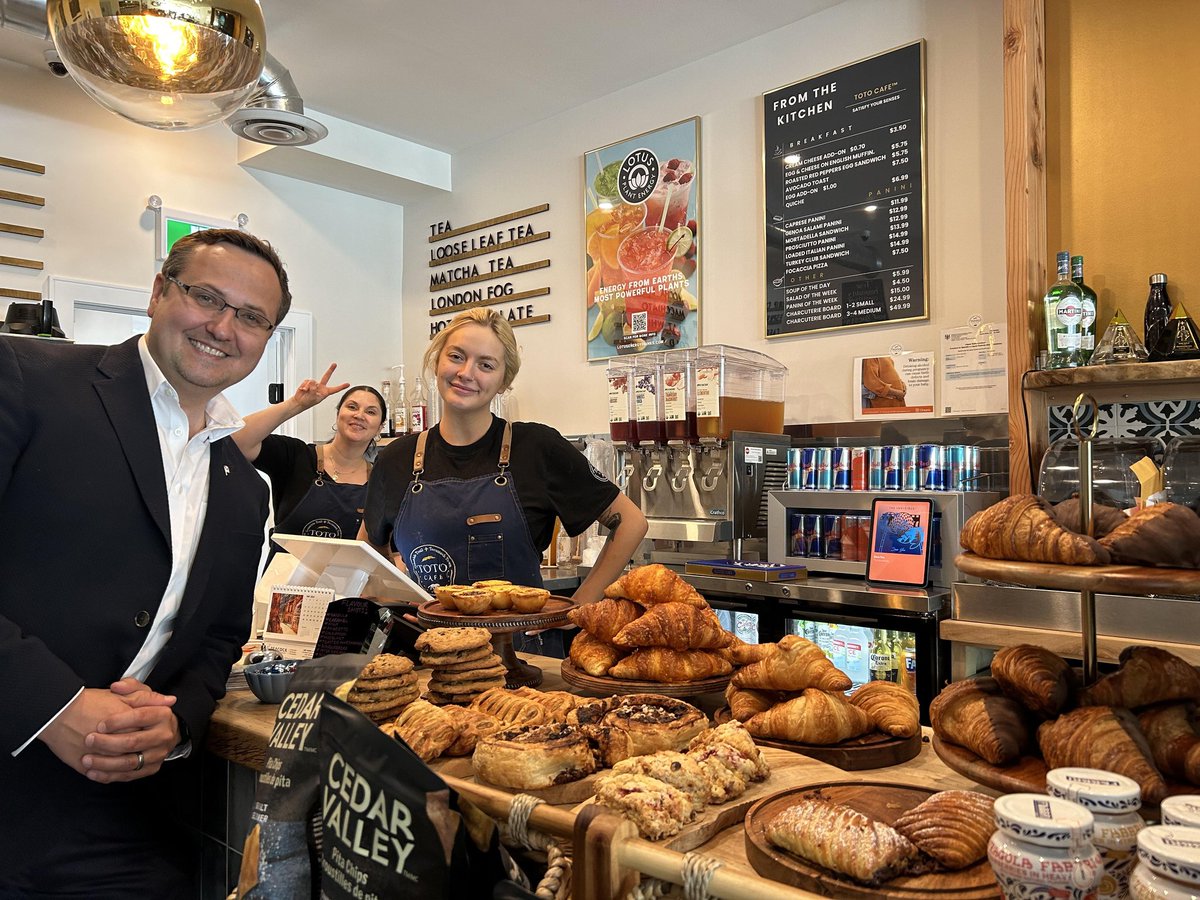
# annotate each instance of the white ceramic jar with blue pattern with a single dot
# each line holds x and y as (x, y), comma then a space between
(1182, 809)
(1043, 848)
(1168, 866)
(1113, 801)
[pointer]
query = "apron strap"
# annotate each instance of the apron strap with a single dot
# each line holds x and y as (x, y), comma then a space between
(320, 450)
(419, 455)
(506, 445)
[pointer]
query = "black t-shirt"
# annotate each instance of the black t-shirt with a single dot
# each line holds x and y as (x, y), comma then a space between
(291, 465)
(551, 477)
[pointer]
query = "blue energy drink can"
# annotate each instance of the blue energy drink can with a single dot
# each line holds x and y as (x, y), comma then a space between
(890, 455)
(910, 478)
(793, 471)
(797, 546)
(931, 467)
(874, 468)
(831, 524)
(814, 535)
(841, 468)
(824, 465)
(808, 468)
(956, 468)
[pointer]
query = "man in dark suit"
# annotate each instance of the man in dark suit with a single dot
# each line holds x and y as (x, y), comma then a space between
(132, 534)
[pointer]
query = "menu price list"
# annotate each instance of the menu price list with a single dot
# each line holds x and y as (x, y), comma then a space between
(844, 196)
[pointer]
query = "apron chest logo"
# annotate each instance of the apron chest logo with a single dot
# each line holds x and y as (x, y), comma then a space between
(432, 565)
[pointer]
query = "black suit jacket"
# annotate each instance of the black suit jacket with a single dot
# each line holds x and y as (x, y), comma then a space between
(87, 553)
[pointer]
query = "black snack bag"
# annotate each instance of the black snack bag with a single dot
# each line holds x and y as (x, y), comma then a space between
(391, 826)
(286, 796)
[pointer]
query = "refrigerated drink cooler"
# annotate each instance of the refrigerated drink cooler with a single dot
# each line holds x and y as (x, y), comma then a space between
(868, 632)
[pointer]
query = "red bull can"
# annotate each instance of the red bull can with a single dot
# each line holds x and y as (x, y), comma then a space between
(832, 526)
(824, 464)
(841, 468)
(931, 467)
(910, 478)
(814, 535)
(893, 479)
(956, 468)
(858, 468)
(808, 468)
(793, 471)
(874, 468)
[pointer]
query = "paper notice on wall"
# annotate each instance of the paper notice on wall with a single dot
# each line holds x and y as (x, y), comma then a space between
(974, 370)
(891, 386)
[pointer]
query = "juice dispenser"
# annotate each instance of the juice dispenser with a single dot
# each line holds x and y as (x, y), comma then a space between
(622, 416)
(737, 390)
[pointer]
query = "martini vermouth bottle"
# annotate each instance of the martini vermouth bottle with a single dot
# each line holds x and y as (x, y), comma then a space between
(1087, 329)
(1063, 308)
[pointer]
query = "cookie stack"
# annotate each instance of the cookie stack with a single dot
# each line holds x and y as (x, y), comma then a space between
(462, 662)
(385, 686)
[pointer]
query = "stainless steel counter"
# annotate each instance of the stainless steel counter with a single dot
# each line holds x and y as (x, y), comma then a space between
(849, 592)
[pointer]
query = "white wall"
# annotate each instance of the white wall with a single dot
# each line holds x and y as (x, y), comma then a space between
(965, 231)
(342, 251)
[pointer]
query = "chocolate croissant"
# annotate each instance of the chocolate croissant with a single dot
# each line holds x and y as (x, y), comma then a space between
(1101, 737)
(1173, 740)
(1037, 677)
(976, 715)
(1020, 527)
(1147, 675)
(1167, 534)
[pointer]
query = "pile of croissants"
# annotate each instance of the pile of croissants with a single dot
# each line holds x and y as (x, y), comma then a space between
(651, 626)
(1136, 721)
(1027, 528)
(790, 691)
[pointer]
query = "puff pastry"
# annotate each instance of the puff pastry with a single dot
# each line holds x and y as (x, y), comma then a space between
(1101, 737)
(677, 626)
(815, 717)
(1039, 678)
(973, 713)
(635, 724)
(892, 708)
(604, 619)
(1147, 675)
(797, 663)
(951, 826)
(653, 584)
(534, 756)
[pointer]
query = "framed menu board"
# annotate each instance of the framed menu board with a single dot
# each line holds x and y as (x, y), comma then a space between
(844, 196)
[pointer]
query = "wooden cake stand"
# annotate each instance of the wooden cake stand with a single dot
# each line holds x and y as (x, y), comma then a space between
(873, 750)
(502, 624)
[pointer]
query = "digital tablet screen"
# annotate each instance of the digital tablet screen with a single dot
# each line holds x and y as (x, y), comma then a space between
(899, 550)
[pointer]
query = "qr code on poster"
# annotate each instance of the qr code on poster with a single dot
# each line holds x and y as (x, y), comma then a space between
(639, 321)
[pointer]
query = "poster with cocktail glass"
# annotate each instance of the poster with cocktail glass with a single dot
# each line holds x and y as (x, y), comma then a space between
(641, 207)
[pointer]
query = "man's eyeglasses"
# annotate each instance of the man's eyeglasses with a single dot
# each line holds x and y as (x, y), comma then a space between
(216, 304)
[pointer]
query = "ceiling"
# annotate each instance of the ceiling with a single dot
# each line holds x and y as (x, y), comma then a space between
(457, 73)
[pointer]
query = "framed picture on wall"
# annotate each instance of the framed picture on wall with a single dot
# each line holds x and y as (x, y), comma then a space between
(641, 208)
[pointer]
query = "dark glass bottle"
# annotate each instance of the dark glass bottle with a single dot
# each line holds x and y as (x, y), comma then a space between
(1158, 312)
(1180, 339)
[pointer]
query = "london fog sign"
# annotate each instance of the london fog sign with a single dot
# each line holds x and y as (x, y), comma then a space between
(470, 280)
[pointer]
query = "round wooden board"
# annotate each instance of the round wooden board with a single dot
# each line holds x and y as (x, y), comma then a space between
(606, 687)
(869, 751)
(881, 801)
(1138, 580)
(433, 615)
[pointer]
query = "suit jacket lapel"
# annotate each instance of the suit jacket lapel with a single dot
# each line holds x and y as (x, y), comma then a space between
(122, 391)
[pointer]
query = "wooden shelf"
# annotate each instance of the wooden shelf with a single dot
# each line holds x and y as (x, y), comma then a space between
(1126, 375)
(1135, 580)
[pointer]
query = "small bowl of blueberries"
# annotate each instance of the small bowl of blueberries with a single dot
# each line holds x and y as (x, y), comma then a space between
(269, 679)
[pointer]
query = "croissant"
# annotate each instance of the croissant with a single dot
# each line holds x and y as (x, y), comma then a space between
(592, 655)
(1038, 678)
(670, 666)
(1104, 518)
(951, 826)
(1102, 737)
(815, 717)
(1167, 534)
(1174, 743)
(892, 708)
(653, 584)
(742, 654)
(976, 715)
(842, 839)
(605, 618)
(747, 702)
(1021, 527)
(1147, 675)
(796, 664)
(675, 625)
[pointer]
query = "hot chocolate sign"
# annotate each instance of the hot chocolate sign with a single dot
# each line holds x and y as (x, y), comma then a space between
(478, 270)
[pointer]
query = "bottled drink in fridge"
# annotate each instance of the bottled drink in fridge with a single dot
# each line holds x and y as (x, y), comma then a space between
(1087, 335)
(881, 656)
(1063, 310)
(1158, 313)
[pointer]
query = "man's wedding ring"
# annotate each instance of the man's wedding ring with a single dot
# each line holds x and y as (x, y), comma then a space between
(141, 762)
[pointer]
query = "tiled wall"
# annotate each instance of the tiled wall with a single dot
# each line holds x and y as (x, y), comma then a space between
(1163, 419)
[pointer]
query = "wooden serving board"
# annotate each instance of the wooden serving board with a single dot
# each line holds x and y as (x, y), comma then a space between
(558, 794)
(606, 687)
(881, 801)
(1138, 580)
(869, 751)
(553, 614)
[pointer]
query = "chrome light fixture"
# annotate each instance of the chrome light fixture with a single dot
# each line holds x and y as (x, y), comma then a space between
(176, 65)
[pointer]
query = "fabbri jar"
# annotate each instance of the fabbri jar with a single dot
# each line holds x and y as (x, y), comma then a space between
(1182, 809)
(1168, 866)
(1113, 801)
(1043, 848)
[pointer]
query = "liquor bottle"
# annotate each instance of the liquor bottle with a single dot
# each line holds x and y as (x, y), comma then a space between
(1179, 339)
(1119, 343)
(1088, 326)
(1158, 312)
(400, 407)
(418, 407)
(908, 660)
(1063, 308)
(385, 425)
